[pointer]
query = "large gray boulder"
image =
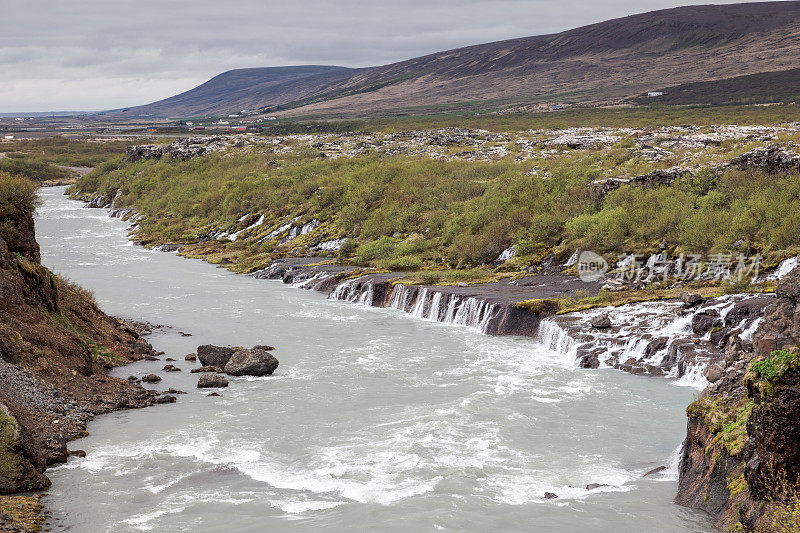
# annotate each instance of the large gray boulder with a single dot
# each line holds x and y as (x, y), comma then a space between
(253, 362)
(212, 381)
(210, 355)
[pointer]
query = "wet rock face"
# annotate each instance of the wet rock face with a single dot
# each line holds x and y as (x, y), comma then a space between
(251, 363)
(774, 430)
(781, 324)
(210, 355)
(728, 472)
(704, 321)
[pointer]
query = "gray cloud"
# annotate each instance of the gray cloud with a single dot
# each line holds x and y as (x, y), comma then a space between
(101, 54)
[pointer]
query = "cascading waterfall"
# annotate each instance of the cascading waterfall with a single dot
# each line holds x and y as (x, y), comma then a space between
(424, 303)
(309, 283)
(354, 291)
(651, 333)
(557, 339)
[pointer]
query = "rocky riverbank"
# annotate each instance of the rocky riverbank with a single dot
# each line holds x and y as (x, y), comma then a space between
(741, 460)
(56, 347)
(686, 339)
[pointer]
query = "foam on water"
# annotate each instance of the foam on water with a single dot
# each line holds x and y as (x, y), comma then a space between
(375, 420)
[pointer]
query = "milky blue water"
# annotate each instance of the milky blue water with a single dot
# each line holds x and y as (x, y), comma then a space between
(374, 421)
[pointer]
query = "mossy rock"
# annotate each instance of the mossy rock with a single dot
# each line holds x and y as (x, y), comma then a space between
(17, 471)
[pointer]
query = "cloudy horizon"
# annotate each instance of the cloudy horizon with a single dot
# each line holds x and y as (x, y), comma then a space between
(90, 55)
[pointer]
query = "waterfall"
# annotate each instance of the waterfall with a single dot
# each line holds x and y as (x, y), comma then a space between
(355, 291)
(308, 283)
(557, 339)
(428, 304)
(419, 307)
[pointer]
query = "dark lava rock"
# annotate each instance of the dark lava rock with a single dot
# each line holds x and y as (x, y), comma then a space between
(150, 358)
(203, 369)
(172, 368)
(750, 308)
(191, 357)
(655, 471)
(208, 381)
(165, 399)
(690, 299)
(704, 321)
(601, 321)
(210, 355)
(184, 334)
(213, 394)
(77, 453)
(265, 347)
(251, 363)
(134, 379)
(169, 359)
(655, 346)
(151, 378)
(592, 486)
(550, 496)
(173, 391)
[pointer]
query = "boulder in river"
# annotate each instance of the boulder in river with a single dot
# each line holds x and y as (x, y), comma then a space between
(550, 496)
(203, 369)
(592, 486)
(210, 355)
(704, 321)
(253, 362)
(191, 357)
(209, 381)
(690, 299)
(171, 368)
(655, 471)
(601, 321)
(151, 378)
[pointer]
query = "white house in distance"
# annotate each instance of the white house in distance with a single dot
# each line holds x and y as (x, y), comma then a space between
(653, 94)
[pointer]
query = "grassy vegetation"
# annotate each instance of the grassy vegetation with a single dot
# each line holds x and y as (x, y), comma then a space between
(726, 420)
(409, 213)
(64, 151)
(31, 169)
(766, 372)
(26, 512)
(632, 117)
(17, 199)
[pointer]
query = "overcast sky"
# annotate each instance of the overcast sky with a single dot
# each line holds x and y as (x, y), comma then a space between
(102, 54)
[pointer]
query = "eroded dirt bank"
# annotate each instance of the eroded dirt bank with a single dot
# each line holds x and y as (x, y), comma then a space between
(56, 346)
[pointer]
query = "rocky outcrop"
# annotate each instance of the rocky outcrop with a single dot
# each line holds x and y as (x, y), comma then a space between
(772, 159)
(216, 356)
(55, 349)
(184, 149)
(600, 188)
(741, 458)
(253, 362)
(21, 466)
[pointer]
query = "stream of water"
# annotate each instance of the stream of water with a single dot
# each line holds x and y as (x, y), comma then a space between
(374, 421)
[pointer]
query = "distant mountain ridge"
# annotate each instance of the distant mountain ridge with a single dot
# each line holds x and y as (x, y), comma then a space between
(247, 88)
(600, 63)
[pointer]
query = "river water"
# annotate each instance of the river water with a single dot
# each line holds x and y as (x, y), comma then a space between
(375, 420)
